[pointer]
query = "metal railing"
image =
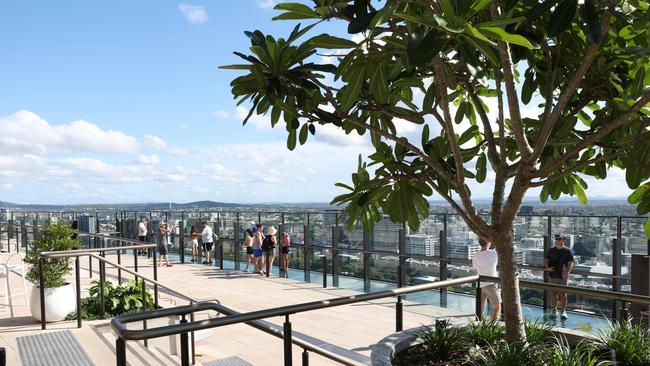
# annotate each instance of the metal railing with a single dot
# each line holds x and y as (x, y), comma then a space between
(119, 324)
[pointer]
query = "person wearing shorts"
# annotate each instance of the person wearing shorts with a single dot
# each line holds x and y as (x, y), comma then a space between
(162, 244)
(194, 238)
(248, 242)
(485, 263)
(206, 238)
(258, 255)
(142, 232)
(284, 245)
(559, 263)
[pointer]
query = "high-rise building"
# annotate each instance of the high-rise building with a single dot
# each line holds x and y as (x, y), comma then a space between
(420, 244)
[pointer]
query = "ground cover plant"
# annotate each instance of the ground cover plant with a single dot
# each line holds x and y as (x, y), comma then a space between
(119, 299)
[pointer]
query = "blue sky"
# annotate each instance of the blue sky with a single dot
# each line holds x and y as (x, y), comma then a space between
(122, 101)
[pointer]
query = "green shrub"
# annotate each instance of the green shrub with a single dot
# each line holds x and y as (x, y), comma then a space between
(119, 300)
(445, 343)
(629, 341)
(57, 236)
(486, 332)
(584, 354)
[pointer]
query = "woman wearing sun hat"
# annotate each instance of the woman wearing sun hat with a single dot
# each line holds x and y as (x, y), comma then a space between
(269, 245)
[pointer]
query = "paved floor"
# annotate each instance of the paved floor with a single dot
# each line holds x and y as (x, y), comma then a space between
(349, 330)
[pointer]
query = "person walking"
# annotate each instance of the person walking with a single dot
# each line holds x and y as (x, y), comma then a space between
(268, 246)
(206, 238)
(248, 242)
(258, 255)
(284, 245)
(162, 244)
(559, 263)
(485, 263)
(194, 239)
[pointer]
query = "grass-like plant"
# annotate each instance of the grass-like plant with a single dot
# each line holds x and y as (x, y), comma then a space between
(515, 354)
(584, 354)
(445, 343)
(538, 332)
(486, 332)
(630, 343)
(57, 236)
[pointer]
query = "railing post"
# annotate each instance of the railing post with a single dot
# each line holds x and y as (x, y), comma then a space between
(307, 252)
(119, 261)
(286, 337)
(401, 275)
(399, 314)
(547, 295)
(324, 260)
(144, 308)
(236, 246)
(155, 278)
(281, 263)
(41, 289)
(616, 264)
(78, 290)
(335, 256)
(305, 357)
(185, 354)
(443, 262)
(220, 244)
(366, 260)
(101, 287)
(181, 240)
(479, 309)
(135, 262)
(120, 352)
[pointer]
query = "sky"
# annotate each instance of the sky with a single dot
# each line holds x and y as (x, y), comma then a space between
(123, 101)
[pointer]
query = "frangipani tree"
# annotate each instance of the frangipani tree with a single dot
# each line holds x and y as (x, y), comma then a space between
(581, 66)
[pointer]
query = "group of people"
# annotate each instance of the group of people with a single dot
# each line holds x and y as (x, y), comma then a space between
(558, 263)
(260, 246)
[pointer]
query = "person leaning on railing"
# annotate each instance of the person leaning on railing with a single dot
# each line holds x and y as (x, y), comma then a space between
(485, 262)
(559, 263)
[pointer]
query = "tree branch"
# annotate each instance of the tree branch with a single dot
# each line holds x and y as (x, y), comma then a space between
(567, 93)
(511, 92)
(595, 136)
(576, 167)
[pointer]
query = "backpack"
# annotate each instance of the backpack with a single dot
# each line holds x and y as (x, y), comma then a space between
(267, 244)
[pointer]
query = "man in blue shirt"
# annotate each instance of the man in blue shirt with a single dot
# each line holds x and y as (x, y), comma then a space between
(559, 263)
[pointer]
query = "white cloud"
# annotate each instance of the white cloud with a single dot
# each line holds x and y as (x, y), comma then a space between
(260, 121)
(222, 114)
(158, 143)
(149, 159)
(301, 179)
(175, 177)
(266, 4)
(195, 14)
(183, 127)
(334, 135)
(26, 132)
(217, 171)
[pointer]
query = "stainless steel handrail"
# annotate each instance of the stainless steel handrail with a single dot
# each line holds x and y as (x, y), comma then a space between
(119, 323)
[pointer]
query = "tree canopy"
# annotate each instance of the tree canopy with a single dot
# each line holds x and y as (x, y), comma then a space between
(528, 93)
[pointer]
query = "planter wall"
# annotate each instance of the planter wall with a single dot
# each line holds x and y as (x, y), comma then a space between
(59, 302)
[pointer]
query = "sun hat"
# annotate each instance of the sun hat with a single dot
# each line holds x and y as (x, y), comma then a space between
(560, 236)
(162, 223)
(272, 230)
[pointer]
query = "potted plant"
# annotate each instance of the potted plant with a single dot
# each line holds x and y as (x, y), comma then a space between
(59, 294)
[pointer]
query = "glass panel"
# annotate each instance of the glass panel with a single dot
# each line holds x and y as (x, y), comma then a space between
(384, 267)
(351, 263)
(420, 271)
(426, 240)
(634, 241)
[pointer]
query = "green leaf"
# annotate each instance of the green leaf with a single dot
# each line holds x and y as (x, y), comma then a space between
(350, 94)
(501, 34)
(639, 194)
(592, 21)
(481, 168)
(635, 173)
(580, 192)
(646, 228)
(424, 46)
(562, 17)
(291, 140)
(332, 42)
(379, 85)
(304, 131)
(540, 9)
(295, 11)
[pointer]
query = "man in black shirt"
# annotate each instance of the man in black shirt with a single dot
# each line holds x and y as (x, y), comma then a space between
(559, 263)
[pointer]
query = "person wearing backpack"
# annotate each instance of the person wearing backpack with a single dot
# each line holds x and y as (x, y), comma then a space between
(268, 246)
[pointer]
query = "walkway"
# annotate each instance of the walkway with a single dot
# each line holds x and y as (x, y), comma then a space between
(350, 330)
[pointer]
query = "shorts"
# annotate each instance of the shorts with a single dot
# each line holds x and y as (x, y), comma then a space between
(142, 238)
(285, 250)
(270, 252)
(162, 249)
(207, 246)
(195, 243)
(249, 250)
(257, 252)
(492, 293)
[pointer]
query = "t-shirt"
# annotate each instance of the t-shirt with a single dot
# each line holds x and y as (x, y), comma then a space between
(206, 234)
(558, 258)
(485, 264)
(142, 229)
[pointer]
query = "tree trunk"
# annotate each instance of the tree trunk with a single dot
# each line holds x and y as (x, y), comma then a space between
(511, 301)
